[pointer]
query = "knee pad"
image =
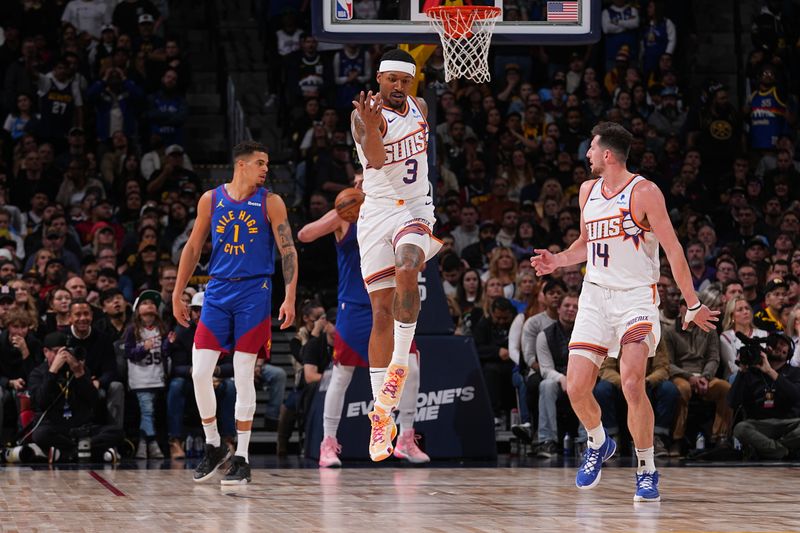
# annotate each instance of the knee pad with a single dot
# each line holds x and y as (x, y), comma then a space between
(243, 369)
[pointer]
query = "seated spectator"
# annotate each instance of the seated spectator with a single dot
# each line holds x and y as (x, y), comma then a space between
(63, 422)
(101, 364)
(20, 353)
(146, 344)
(77, 184)
(173, 176)
(738, 318)
(503, 266)
(115, 98)
(23, 120)
(477, 254)
(694, 361)
(317, 355)
(181, 385)
(469, 292)
(466, 233)
(491, 339)
(769, 393)
(60, 104)
(769, 317)
(552, 352)
(660, 390)
(57, 316)
(167, 110)
(114, 320)
(26, 299)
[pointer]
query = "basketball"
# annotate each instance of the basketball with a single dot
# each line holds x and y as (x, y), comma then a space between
(347, 204)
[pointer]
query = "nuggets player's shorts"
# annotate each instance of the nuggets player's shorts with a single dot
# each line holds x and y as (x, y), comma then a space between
(383, 224)
(353, 328)
(236, 316)
(610, 318)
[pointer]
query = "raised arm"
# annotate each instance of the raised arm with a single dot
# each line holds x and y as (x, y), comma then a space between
(546, 262)
(330, 222)
(650, 198)
(283, 237)
(189, 257)
(368, 123)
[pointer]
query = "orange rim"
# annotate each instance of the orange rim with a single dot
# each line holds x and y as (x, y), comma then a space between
(478, 12)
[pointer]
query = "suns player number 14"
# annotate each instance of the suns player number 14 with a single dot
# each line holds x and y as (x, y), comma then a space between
(600, 252)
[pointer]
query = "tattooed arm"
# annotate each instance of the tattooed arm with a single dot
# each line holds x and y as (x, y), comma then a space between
(283, 238)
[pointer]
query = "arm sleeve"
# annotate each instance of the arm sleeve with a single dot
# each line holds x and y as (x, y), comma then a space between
(712, 356)
(672, 38)
(515, 338)
(529, 333)
(546, 365)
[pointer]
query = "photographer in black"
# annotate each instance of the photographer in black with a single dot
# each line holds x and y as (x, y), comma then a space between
(768, 389)
(63, 398)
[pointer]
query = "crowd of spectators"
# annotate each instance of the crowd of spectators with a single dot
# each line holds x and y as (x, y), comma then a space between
(97, 197)
(510, 159)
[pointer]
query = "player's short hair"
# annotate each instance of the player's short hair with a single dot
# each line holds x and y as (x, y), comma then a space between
(246, 148)
(398, 55)
(615, 138)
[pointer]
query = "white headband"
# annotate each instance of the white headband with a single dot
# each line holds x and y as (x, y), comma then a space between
(399, 66)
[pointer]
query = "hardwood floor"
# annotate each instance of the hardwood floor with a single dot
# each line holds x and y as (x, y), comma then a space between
(397, 499)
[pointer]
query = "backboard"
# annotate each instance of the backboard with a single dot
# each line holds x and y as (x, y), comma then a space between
(523, 22)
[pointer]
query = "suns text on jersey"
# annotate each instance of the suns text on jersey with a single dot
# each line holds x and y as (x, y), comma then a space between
(244, 219)
(412, 144)
(604, 228)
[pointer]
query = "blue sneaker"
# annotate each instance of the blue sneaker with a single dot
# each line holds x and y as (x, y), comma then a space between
(589, 472)
(647, 487)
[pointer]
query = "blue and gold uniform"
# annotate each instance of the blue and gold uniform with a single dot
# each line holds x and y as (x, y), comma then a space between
(237, 306)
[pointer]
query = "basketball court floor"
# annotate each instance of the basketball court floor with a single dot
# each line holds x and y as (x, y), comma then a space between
(446, 497)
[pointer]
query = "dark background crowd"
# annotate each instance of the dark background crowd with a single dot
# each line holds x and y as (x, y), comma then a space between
(97, 197)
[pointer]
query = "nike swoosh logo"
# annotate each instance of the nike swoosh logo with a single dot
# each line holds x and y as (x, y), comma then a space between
(392, 120)
(429, 202)
(592, 199)
(405, 327)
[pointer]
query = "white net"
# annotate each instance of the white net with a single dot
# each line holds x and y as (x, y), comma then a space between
(465, 33)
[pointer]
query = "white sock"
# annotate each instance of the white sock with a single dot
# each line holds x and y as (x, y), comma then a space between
(597, 437)
(212, 434)
(645, 461)
(376, 376)
(334, 398)
(408, 402)
(242, 444)
(403, 337)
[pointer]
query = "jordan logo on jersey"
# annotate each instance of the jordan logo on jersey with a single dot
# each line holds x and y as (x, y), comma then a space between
(220, 204)
(622, 225)
(243, 220)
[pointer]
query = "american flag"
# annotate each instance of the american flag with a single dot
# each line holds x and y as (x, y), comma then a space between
(562, 11)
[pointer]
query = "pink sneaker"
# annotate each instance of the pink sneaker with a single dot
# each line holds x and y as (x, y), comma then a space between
(407, 448)
(329, 451)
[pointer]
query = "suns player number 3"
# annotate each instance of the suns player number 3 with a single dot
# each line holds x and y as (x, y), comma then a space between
(412, 171)
(599, 251)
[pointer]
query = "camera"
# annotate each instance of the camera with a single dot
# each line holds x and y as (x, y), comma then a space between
(750, 352)
(77, 351)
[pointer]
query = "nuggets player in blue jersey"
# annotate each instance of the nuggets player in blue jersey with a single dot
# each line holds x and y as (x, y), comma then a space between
(351, 344)
(246, 222)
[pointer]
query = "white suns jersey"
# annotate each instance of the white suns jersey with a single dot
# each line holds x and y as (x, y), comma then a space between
(404, 175)
(621, 252)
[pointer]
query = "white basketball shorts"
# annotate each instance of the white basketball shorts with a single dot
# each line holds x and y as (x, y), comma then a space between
(610, 318)
(383, 225)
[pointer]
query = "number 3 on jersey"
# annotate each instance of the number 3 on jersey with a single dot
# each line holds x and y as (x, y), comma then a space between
(599, 251)
(412, 171)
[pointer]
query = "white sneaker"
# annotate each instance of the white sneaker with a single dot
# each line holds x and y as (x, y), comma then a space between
(153, 451)
(141, 449)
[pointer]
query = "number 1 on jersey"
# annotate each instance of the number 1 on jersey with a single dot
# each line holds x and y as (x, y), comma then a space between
(236, 233)
(600, 250)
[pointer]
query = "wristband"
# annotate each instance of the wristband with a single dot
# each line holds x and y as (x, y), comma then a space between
(696, 307)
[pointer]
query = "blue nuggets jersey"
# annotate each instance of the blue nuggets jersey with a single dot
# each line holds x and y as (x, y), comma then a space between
(241, 236)
(767, 119)
(351, 282)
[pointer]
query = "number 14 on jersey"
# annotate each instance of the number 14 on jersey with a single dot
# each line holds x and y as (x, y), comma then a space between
(599, 253)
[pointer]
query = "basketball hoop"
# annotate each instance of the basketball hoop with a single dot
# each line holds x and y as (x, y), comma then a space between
(466, 32)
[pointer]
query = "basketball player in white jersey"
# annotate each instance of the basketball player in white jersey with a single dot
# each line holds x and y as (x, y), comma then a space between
(394, 230)
(623, 220)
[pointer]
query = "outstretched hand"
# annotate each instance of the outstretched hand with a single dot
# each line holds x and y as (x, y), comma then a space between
(544, 262)
(286, 314)
(369, 108)
(704, 318)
